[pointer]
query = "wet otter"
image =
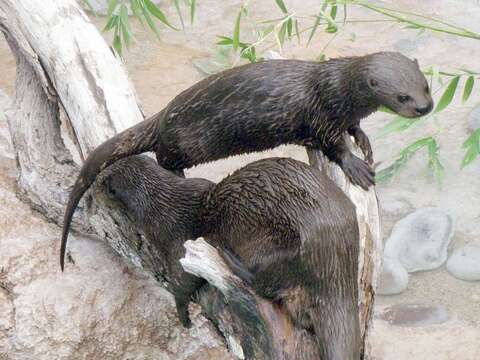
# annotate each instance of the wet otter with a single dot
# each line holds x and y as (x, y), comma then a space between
(291, 229)
(260, 106)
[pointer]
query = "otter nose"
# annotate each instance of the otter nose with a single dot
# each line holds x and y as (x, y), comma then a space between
(425, 109)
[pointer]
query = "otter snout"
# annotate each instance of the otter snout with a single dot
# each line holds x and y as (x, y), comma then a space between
(424, 108)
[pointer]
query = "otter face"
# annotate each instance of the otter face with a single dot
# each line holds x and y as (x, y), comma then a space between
(397, 83)
(124, 183)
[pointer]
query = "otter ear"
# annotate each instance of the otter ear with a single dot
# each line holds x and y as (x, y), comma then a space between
(372, 83)
(416, 62)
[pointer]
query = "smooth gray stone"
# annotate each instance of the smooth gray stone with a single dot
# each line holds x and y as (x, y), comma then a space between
(393, 279)
(464, 263)
(420, 240)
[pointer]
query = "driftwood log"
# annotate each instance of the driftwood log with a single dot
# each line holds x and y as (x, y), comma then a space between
(72, 94)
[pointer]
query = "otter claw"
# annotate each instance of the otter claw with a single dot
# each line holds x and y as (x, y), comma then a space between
(358, 172)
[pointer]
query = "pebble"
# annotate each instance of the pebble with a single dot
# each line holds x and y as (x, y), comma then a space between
(420, 240)
(464, 263)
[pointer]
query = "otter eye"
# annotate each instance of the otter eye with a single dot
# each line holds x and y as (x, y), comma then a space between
(373, 82)
(403, 98)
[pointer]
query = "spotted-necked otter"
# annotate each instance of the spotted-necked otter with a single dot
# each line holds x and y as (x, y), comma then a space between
(293, 231)
(260, 106)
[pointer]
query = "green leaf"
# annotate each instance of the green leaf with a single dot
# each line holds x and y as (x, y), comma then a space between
(124, 25)
(467, 91)
(193, 5)
(332, 26)
(112, 4)
(397, 124)
(136, 9)
(179, 12)
(281, 34)
(117, 44)
(112, 22)
(434, 161)
(150, 22)
(472, 144)
(236, 30)
(333, 11)
(297, 31)
(155, 11)
(282, 6)
(289, 27)
(447, 96)
(314, 29)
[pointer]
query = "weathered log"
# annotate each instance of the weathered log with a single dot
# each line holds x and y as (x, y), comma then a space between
(67, 75)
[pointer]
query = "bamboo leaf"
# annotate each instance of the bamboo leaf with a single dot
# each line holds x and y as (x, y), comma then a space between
(447, 96)
(282, 6)
(314, 29)
(112, 4)
(470, 155)
(117, 44)
(289, 27)
(281, 34)
(297, 31)
(397, 124)
(150, 22)
(112, 22)
(179, 12)
(236, 30)
(124, 25)
(155, 11)
(472, 144)
(193, 5)
(467, 91)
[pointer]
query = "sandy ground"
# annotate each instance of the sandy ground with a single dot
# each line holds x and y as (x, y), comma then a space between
(160, 69)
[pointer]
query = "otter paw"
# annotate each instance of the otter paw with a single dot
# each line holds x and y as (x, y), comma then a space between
(358, 172)
(363, 142)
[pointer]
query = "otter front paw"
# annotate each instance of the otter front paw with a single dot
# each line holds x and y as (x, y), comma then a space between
(363, 142)
(358, 172)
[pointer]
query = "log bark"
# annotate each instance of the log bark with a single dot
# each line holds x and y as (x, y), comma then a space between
(71, 95)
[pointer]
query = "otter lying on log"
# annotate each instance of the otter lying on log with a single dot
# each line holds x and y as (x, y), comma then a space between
(284, 227)
(260, 106)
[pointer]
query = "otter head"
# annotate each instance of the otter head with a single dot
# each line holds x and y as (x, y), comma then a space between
(125, 182)
(396, 82)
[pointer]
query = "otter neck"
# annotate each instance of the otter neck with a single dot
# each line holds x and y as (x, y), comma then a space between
(350, 98)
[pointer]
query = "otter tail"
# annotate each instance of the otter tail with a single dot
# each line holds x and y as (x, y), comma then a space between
(135, 140)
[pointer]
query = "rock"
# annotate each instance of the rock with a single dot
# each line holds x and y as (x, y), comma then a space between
(393, 279)
(413, 315)
(272, 55)
(474, 118)
(395, 207)
(464, 263)
(420, 240)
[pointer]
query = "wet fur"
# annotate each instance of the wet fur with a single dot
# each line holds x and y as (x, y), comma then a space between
(260, 106)
(285, 227)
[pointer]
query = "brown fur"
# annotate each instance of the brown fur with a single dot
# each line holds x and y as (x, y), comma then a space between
(283, 226)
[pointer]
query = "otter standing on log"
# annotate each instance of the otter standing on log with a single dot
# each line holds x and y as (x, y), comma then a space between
(262, 105)
(286, 229)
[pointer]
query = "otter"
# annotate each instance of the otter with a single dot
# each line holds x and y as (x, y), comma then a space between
(259, 106)
(283, 227)
(168, 217)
